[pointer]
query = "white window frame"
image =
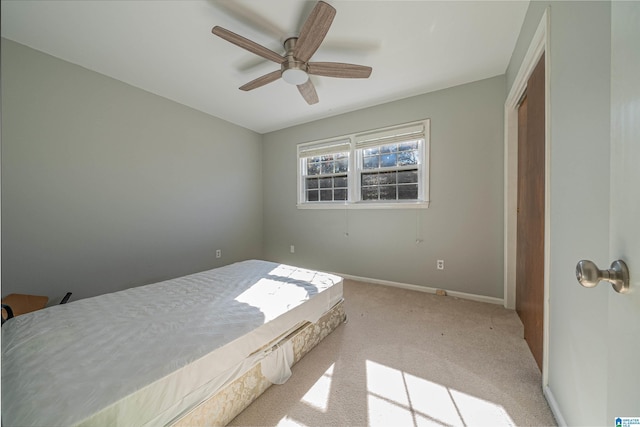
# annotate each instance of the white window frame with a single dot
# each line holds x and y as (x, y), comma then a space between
(317, 148)
(354, 144)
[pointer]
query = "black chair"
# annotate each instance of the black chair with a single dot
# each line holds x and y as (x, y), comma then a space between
(9, 313)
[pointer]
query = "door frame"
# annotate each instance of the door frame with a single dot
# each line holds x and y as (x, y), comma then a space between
(539, 45)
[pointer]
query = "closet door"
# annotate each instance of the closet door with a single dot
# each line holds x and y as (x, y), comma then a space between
(531, 196)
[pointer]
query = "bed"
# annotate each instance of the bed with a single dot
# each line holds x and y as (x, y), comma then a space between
(194, 350)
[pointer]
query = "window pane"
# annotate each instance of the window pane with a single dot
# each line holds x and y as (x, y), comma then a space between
(388, 160)
(340, 194)
(370, 162)
(326, 157)
(313, 168)
(325, 183)
(342, 165)
(369, 179)
(410, 176)
(408, 192)
(388, 192)
(312, 196)
(370, 151)
(312, 183)
(370, 193)
(391, 148)
(387, 178)
(327, 167)
(340, 181)
(326, 195)
(408, 158)
(405, 146)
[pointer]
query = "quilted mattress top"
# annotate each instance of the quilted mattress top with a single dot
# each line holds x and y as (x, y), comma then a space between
(128, 356)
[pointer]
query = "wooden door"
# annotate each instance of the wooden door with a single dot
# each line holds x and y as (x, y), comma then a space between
(530, 227)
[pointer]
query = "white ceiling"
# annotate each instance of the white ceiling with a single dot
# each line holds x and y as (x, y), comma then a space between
(166, 47)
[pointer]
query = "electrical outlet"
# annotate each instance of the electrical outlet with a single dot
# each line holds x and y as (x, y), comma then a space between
(293, 249)
(440, 264)
(218, 253)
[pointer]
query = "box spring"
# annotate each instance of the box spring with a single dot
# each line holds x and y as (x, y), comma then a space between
(226, 404)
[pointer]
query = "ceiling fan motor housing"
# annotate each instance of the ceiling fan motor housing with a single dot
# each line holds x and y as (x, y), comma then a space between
(293, 71)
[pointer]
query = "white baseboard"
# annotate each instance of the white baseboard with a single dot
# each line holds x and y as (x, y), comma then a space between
(553, 404)
(463, 295)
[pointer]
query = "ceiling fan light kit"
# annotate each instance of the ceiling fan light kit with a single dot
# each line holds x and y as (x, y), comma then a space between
(294, 76)
(294, 66)
(294, 72)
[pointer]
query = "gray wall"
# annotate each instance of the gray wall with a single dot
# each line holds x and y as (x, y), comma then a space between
(579, 82)
(463, 225)
(105, 186)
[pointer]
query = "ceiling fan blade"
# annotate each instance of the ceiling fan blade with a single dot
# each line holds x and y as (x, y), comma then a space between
(261, 81)
(247, 44)
(314, 30)
(339, 69)
(248, 16)
(308, 92)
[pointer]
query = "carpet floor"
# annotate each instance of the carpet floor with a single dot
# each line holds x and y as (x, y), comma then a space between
(408, 358)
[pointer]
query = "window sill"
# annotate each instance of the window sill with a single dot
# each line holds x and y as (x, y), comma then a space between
(365, 205)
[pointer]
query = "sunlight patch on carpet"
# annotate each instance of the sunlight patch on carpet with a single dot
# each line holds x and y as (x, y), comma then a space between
(318, 394)
(395, 397)
(288, 422)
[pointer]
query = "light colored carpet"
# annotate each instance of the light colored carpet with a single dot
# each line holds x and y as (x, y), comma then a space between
(407, 358)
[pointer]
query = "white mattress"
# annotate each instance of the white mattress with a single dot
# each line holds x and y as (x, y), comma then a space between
(147, 355)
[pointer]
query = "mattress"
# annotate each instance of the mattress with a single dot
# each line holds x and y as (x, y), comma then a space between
(148, 355)
(234, 397)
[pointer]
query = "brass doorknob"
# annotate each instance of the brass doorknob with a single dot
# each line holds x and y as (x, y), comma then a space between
(589, 275)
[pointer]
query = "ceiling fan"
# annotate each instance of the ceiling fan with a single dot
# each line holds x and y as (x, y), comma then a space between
(295, 67)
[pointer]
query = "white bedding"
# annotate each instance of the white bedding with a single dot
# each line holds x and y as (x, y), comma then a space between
(147, 355)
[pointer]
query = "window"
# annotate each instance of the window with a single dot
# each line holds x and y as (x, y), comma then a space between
(391, 164)
(325, 169)
(382, 168)
(326, 179)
